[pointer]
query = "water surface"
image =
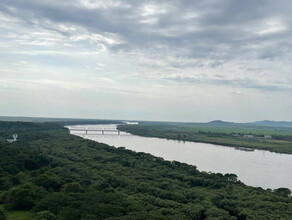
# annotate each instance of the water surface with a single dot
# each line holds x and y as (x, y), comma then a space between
(257, 168)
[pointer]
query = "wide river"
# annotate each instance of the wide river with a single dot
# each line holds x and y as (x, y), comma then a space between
(256, 168)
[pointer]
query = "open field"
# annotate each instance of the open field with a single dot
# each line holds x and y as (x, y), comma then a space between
(21, 215)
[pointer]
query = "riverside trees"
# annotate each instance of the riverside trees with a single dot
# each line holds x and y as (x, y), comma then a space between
(59, 176)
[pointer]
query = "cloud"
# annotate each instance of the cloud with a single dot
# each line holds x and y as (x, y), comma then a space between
(239, 44)
(204, 33)
(281, 85)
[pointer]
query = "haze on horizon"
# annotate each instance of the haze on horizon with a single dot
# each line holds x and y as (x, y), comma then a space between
(147, 60)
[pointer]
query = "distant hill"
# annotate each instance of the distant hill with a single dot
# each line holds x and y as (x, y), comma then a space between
(279, 124)
(219, 123)
(257, 124)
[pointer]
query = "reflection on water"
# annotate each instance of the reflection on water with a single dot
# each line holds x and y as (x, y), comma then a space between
(256, 168)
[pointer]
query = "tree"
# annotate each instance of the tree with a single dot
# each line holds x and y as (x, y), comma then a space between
(3, 215)
(283, 192)
(45, 215)
(231, 177)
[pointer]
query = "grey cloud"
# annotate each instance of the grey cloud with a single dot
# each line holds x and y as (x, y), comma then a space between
(221, 80)
(216, 32)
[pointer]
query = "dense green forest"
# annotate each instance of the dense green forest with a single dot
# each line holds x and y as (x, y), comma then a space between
(275, 139)
(49, 174)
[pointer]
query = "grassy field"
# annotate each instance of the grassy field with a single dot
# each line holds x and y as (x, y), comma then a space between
(255, 131)
(258, 137)
(20, 215)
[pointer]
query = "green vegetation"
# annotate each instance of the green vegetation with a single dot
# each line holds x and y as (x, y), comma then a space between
(50, 174)
(275, 139)
(20, 215)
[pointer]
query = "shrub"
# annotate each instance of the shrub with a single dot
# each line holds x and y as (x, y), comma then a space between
(45, 215)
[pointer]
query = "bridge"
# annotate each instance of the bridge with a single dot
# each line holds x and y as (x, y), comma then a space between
(101, 130)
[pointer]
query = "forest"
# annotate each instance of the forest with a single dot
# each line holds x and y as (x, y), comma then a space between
(48, 174)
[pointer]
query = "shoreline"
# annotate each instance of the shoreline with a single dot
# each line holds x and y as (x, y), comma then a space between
(207, 142)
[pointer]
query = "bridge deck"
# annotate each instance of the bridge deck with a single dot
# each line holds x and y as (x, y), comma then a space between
(77, 129)
(103, 131)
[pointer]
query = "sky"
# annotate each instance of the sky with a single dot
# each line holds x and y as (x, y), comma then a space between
(179, 60)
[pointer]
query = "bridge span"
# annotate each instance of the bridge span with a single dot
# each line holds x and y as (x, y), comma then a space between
(101, 130)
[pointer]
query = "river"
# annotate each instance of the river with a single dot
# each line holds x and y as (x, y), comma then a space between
(256, 168)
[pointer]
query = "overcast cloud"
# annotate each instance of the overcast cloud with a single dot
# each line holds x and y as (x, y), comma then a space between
(174, 60)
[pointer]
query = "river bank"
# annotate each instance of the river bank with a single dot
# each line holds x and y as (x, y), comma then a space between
(225, 139)
(257, 168)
